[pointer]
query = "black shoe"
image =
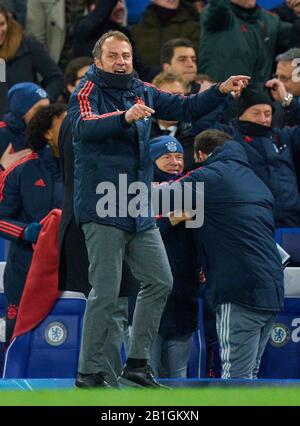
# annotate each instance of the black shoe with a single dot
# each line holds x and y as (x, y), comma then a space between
(139, 377)
(94, 380)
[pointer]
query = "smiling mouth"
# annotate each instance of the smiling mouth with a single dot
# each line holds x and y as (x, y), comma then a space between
(119, 71)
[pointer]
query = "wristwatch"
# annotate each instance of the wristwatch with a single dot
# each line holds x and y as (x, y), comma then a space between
(287, 100)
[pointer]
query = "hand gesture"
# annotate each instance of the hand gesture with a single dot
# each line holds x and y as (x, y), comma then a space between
(278, 90)
(234, 84)
(9, 158)
(138, 112)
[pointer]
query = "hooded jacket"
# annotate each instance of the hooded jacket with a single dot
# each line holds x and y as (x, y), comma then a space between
(240, 258)
(12, 130)
(106, 146)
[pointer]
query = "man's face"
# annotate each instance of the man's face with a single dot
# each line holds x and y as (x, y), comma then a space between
(168, 4)
(116, 57)
(247, 4)
(170, 163)
(80, 74)
(118, 14)
(260, 114)
(31, 112)
(176, 88)
(183, 62)
(284, 71)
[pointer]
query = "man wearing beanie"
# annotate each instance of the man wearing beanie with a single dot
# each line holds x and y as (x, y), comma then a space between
(172, 347)
(24, 100)
(270, 150)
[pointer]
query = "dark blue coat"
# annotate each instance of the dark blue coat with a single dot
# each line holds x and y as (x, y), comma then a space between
(180, 315)
(271, 157)
(105, 146)
(12, 130)
(241, 260)
(29, 190)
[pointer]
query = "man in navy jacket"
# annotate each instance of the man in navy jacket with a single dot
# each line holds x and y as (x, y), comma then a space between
(240, 259)
(110, 112)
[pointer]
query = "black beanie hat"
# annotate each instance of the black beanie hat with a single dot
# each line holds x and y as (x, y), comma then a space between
(254, 94)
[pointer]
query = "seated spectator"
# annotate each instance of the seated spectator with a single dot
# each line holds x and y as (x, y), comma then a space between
(239, 37)
(104, 16)
(270, 151)
(163, 21)
(24, 100)
(182, 131)
(179, 320)
(46, 21)
(75, 71)
(30, 189)
(178, 56)
(289, 11)
(287, 73)
(26, 60)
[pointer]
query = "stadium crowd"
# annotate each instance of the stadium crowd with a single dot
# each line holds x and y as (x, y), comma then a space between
(188, 91)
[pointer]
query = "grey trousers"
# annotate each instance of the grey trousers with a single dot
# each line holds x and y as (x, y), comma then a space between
(145, 254)
(243, 334)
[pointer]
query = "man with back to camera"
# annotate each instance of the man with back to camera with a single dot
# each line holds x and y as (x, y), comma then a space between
(109, 112)
(240, 259)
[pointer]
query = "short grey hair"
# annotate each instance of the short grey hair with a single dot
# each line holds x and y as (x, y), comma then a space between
(97, 51)
(289, 55)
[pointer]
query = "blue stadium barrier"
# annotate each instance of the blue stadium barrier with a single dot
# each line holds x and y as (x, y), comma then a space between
(289, 239)
(50, 350)
(135, 10)
(281, 359)
(197, 362)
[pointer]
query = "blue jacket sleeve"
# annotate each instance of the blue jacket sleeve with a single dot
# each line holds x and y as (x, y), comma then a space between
(10, 203)
(188, 108)
(87, 123)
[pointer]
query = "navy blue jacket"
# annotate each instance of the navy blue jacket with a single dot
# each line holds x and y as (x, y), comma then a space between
(29, 190)
(12, 130)
(106, 146)
(240, 258)
(180, 315)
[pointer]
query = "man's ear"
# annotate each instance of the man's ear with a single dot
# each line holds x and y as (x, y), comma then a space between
(165, 67)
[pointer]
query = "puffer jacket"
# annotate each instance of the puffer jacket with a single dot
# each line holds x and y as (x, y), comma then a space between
(107, 149)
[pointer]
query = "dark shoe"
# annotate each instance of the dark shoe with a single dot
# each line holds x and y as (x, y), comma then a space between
(139, 377)
(95, 380)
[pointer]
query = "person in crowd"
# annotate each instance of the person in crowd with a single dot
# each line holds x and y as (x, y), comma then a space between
(270, 151)
(24, 100)
(26, 60)
(110, 113)
(289, 11)
(162, 21)
(179, 320)
(286, 72)
(75, 71)
(74, 263)
(179, 56)
(30, 189)
(17, 8)
(205, 81)
(46, 21)
(103, 16)
(238, 36)
(240, 258)
(174, 83)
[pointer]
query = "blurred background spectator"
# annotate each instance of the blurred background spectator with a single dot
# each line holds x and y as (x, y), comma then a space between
(162, 21)
(46, 21)
(26, 61)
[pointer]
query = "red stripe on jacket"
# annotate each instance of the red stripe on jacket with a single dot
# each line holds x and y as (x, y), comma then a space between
(85, 105)
(3, 176)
